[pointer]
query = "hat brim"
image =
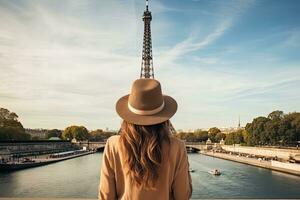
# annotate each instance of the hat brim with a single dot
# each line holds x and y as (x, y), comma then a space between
(166, 113)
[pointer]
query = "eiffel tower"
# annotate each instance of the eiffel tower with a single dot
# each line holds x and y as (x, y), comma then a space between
(147, 59)
(147, 70)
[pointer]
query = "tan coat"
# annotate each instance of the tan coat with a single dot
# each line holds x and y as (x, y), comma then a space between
(174, 180)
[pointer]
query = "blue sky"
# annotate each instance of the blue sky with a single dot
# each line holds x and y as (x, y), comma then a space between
(67, 62)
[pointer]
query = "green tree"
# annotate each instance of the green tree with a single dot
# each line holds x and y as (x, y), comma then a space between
(100, 135)
(295, 123)
(271, 131)
(190, 137)
(288, 131)
(10, 127)
(54, 133)
(245, 134)
(230, 139)
(77, 132)
(7, 115)
(220, 136)
(201, 136)
(212, 133)
(277, 128)
(257, 132)
(276, 115)
(96, 135)
(181, 135)
(235, 138)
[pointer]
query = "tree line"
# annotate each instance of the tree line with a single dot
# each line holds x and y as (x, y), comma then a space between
(81, 133)
(12, 129)
(277, 128)
(214, 134)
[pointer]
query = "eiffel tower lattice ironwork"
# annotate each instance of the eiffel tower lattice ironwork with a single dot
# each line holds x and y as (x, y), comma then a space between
(147, 70)
(147, 59)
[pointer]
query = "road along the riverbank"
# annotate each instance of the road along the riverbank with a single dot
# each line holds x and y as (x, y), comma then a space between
(251, 161)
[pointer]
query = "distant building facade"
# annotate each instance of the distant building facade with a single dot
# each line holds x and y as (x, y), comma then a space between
(39, 133)
(34, 147)
(231, 129)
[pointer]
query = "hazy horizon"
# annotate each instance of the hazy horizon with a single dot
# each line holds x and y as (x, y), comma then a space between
(67, 62)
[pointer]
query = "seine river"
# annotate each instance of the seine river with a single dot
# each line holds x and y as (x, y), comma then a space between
(79, 178)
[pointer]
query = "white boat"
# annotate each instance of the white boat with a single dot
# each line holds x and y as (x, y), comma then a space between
(215, 172)
(191, 170)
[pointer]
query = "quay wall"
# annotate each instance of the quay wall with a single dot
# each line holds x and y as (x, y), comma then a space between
(33, 147)
(289, 166)
(254, 162)
(264, 151)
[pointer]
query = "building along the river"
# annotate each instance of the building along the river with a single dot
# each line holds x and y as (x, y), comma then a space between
(10, 149)
(39, 133)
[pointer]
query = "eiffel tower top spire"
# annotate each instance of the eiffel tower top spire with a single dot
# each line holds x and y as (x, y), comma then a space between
(147, 59)
(147, 4)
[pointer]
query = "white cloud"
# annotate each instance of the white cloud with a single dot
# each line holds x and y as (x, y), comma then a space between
(57, 64)
(67, 63)
(229, 12)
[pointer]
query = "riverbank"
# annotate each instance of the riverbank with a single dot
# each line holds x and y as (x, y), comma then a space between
(39, 162)
(264, 151)
(251, 161)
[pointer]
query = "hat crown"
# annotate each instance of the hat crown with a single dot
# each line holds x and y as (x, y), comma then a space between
(146, 94)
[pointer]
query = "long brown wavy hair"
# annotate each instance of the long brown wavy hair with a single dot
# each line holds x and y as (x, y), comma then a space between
(142, 148)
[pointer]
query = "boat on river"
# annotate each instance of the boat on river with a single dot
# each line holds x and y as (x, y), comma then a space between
(215, 172)
(192, 170)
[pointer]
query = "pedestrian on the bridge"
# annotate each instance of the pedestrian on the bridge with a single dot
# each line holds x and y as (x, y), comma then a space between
(145, 161)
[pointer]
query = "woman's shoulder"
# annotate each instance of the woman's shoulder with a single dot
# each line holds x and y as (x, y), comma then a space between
(112, 144)
(113, 140)
(177, 150)
(176, 142)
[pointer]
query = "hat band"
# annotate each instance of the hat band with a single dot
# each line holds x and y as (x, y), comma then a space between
(146, 112)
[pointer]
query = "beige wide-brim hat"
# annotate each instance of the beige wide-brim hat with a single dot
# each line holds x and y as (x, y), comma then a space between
(146, 105)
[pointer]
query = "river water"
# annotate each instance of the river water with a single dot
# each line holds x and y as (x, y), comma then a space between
(79, 178)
